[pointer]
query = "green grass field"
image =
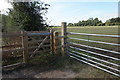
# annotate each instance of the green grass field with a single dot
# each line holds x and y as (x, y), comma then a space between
(109, 30)
(112, 30)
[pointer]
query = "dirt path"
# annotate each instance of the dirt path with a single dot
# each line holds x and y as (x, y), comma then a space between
(27, 73)
(71, 71)
(56, 74)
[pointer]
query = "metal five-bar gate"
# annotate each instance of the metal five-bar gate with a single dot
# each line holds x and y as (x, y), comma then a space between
(89, 49)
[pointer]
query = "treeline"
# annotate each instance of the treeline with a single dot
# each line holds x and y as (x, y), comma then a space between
(28, 16)
(97, 22)
(113, 22)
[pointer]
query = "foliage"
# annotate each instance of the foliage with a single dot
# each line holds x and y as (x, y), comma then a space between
(70, 24)
(29, 16)
(7, 24)
(113, 21)
(89, 22)
(97, 22)
(3, 20)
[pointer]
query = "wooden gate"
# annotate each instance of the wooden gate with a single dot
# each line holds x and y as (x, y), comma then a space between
(22, 46)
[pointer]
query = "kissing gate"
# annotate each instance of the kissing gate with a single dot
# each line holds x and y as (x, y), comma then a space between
(75, 45)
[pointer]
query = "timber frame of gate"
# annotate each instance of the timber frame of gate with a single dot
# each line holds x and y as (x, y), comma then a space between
(54, 40)
(54, 44)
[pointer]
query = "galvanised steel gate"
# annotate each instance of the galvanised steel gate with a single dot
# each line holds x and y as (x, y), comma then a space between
(91, 52)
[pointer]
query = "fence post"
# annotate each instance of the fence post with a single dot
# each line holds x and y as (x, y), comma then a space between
(51, 41)
(63, 33)
(55, 39)
(25, 46)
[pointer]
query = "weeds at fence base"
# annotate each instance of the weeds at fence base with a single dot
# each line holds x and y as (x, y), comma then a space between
(51, 61)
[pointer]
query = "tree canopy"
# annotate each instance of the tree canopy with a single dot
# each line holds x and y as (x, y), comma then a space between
(113, 21)
(97, 22)
(29, 16)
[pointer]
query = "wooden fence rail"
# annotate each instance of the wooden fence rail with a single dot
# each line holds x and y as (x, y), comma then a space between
(30, 47)
(51, 37)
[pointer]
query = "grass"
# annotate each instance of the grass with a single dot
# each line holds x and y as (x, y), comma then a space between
(111, 30)
(84, 71)
(48, 62)
(93, 29)
(108, 30)
(51, 61)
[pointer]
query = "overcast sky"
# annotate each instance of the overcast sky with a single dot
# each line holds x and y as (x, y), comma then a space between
(74, 10)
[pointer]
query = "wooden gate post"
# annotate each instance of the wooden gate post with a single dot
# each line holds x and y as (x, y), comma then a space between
(63, 33)
(25, 46)
(55, 39)
(51, 41)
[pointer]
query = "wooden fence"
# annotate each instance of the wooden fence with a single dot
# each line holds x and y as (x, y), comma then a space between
(26, 45)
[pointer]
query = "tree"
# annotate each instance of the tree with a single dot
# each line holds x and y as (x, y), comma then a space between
(70, 24)
(29, 15)
(89, 22)
(113, 21)
(3, 22)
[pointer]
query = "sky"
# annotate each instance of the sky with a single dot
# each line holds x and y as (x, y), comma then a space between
(73, 11)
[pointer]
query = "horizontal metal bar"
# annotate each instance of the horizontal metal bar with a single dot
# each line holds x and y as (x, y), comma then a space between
(95, 53)
(37, 31)
(38, 34)
(95, 66)
(95, 41)
(60, 37)
(94, 48)
(94, 62)
(95, 58)
(116, 36)
(28, 34)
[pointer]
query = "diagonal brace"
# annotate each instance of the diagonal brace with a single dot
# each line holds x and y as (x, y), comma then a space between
(39, 47)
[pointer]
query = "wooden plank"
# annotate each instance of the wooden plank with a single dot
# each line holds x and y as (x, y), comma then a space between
(17, 34)
(51, 41)
(60, 46)
(36, 41)
(25, 46)
(60, 37)
(55, 34)
(63, 33)
(40, 51)
(39, 34)
(11, 32)
(11, 35)
(13, 50)
(7, 46)
(39, 46)
(13, 65)
(33, 47)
